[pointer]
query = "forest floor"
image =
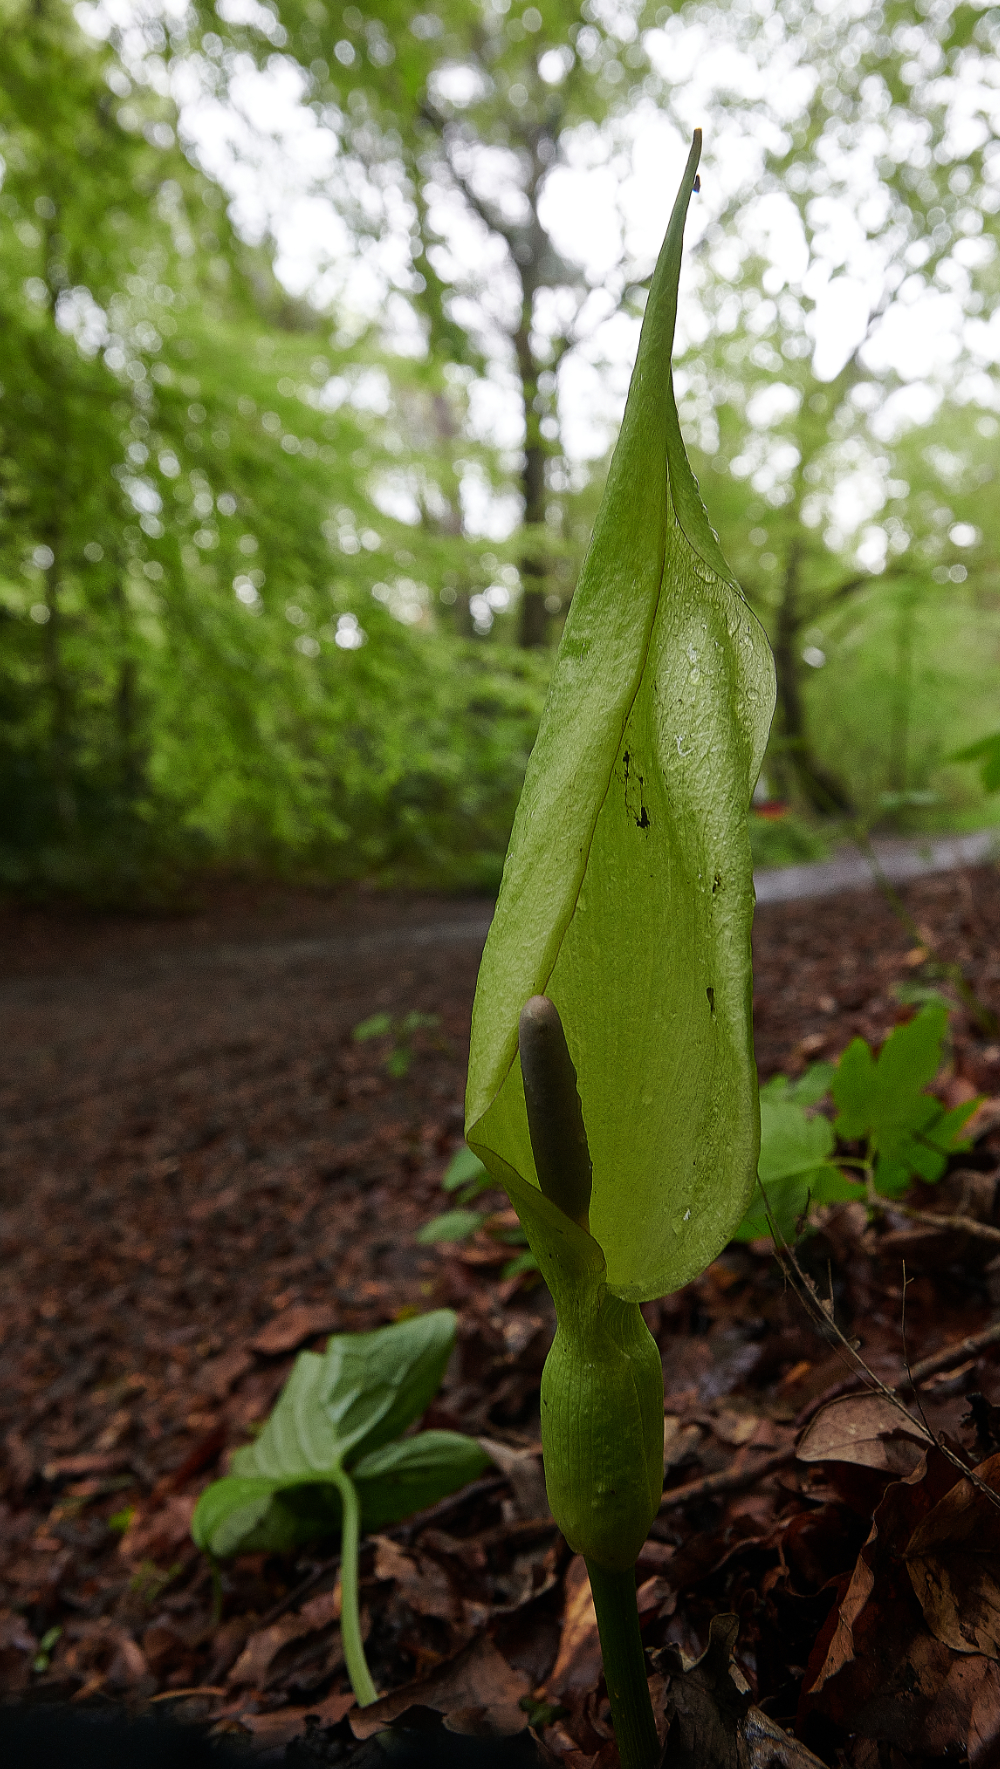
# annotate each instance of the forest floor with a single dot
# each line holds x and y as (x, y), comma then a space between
(201, 1173)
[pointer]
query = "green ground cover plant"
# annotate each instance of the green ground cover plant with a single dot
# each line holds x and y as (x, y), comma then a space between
(890, 1129)
(987, 753)
(398, 1031)
(332, 1458)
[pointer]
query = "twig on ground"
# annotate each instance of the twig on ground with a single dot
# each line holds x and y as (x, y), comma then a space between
(932, 1365)
(728, 1480)
(955, 1353)
(966, 1225)
(291, 1598)
(822, 1317)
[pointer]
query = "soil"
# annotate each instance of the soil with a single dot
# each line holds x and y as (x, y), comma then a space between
(202, 1172)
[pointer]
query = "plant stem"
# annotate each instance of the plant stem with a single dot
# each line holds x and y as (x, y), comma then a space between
(350, 1618)
(624, 1665)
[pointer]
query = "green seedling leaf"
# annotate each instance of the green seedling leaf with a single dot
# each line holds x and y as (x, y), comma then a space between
(376, 1026)
(523, 1262)
(627, 893)
(452, 1225)
(338, 1411)
(397, 1063)
(808, 1090)
(882, 1097)
(465, 1169)
(882, 1101)
(794, 1166)
(373, 1385)
(986, 751)
(404, 1477)
(912, 993)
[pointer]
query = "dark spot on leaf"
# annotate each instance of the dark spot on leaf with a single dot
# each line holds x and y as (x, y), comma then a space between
(642, 821)
(711, 999)
(717, 883)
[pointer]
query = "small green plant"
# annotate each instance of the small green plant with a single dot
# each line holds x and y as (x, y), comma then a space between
(467, 1178)
(46, 1646)
(399, 1028)
(987, 752)
(150, 1581)
(883, 1104)
(332, 1458)
(617, 974)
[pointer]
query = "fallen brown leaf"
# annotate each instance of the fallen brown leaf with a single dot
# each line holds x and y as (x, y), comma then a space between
(578, 1662)
(866, 1430)
(292, 1327)
(477, 1681)
(160, 1531)
(953, 1559)
(523, 1468)
(421, 1581)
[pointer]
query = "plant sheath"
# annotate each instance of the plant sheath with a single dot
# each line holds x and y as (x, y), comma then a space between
(624, 1665)
(350, 1616)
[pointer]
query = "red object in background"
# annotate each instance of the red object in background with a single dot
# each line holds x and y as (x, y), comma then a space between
(771, 810)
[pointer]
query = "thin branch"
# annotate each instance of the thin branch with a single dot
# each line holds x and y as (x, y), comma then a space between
(805, 1289)
(945, 1359)
(728, 1480)
(966, 1225)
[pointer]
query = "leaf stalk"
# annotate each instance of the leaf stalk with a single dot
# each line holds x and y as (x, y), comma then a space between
(350, 1615)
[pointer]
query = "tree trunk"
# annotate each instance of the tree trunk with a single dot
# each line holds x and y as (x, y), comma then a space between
(60, 736)
(796, 767)
(534, 620)
(451, 522)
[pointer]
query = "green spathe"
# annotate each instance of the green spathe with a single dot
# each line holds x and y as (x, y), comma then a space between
(627, 895)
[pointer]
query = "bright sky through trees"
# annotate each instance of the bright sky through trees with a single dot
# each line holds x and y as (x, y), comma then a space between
(606, 207)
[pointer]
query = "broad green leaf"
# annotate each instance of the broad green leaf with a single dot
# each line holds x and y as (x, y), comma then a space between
(926, 1151)
(451, 1225)
(794, 1150)
(627, 893)
(339, 1411)
(228, 1512)
(986, 751)
(299, 1438)
(364, 1392)
(882, 1098)
(406, 1476)
(464, 1168)
(242, 1515)
(808, 1090)
(853, 1090)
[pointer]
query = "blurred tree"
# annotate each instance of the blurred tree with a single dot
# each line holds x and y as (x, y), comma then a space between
(459, 114)
(188, 535)
(871, 186)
